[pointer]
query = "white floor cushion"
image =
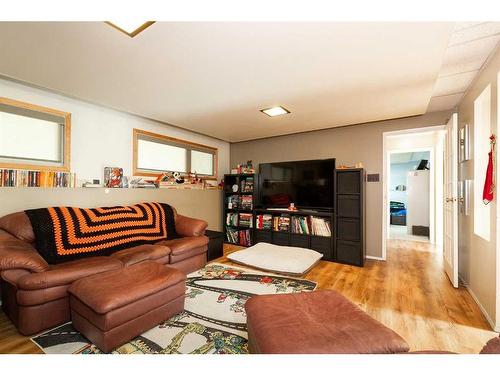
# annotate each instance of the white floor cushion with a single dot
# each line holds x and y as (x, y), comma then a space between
(281, 259)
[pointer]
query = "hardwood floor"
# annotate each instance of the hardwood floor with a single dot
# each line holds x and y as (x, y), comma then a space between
(409, 293)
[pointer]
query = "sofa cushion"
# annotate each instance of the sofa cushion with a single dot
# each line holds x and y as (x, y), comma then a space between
(18, 224)
(111, 290)
(316, 323)
(66, 273)
(67, 233)
(185, 247)
(141, 253)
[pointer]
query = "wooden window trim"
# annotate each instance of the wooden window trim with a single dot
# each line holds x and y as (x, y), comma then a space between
(138, 172)
(67, 138)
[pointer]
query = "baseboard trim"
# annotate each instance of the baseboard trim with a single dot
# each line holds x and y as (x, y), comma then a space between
(478, 303)
(375, 258)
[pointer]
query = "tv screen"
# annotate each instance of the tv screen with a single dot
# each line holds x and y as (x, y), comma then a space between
(307, 184)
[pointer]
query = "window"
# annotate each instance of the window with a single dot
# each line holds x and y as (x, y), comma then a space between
(33, 137)
(482, 132)
(155, 154)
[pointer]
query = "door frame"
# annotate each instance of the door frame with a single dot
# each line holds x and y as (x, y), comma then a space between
(386, 177)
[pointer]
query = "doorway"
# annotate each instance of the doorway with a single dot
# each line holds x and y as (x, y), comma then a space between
(409, 195)
(413, 186)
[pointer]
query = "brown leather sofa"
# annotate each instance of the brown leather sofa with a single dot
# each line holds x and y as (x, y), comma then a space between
(34, 293)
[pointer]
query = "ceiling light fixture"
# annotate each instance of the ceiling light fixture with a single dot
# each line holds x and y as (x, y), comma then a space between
(275, 111)
(131, 28)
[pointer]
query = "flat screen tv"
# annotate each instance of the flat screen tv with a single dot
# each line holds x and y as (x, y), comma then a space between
(307, 184)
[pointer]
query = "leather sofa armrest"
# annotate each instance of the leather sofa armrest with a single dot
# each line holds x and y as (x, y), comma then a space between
(68, 272)
(189, 227)
(141, 253)
(17, 254)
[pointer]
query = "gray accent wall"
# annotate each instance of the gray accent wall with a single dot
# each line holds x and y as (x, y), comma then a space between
(350, 144)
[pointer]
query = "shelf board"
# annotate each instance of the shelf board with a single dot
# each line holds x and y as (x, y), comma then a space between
(238, 227)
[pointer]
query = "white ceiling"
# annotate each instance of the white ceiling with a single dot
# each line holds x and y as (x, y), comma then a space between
(470, 45)
(214, 78)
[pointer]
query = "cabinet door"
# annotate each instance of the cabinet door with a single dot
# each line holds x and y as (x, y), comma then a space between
(348, 229)
(348, 206)
(349, 252)
(348, 182)
(322, 245)
(300, 240)
(282, 239)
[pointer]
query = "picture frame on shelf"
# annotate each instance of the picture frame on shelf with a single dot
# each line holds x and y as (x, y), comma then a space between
(210, 184)
(113, 177)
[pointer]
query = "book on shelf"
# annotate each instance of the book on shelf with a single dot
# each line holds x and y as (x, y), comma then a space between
(300, 224)
(232, 219)
(264, 221)
(232, 235)
(244, 237)
(320, 226)
(28, 178)
(247, 185)
(232, 202)
(281, 223)
(246, 202)
(246, 220)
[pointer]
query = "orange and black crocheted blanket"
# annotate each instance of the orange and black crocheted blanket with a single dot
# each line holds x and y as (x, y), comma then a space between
(67, 233)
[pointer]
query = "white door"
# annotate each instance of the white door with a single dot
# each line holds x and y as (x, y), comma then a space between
(450, 242)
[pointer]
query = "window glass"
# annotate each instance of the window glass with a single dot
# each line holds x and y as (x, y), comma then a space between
(202, 163)
(482, 132)
(161, 157)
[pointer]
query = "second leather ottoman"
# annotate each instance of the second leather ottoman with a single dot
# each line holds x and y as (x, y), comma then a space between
(112, 308)
(322, 322)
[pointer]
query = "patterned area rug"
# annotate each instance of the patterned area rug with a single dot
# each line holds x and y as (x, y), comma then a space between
(214, 320)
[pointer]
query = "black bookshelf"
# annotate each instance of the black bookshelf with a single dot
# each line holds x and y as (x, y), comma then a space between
(350, 216)
(242, 198)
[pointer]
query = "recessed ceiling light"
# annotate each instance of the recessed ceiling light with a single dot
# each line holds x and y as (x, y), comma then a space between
(275, 111)
(131, 28)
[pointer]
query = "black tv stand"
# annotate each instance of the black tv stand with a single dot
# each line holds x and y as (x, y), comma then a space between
(322, 243)
(345, 242)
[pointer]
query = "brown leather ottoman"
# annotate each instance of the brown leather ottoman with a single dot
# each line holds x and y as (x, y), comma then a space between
(112, 308)
(315, 323)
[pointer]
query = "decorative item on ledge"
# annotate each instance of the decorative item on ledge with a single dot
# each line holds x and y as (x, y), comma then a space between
(244, 168)
(113, 177)
(26, 178)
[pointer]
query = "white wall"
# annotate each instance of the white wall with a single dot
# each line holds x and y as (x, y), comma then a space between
(102, 137)
(418, 199)
(399, 173)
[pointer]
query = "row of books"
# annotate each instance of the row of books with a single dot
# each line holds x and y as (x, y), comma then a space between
(281, 223)
(241, 237)
(232, 219)
(25, 178)
(247, 185)
(244, 202)
(242, 220)
(300, 224)
(316, 226)
(320, 226)
(246, 220)
(264, 221)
